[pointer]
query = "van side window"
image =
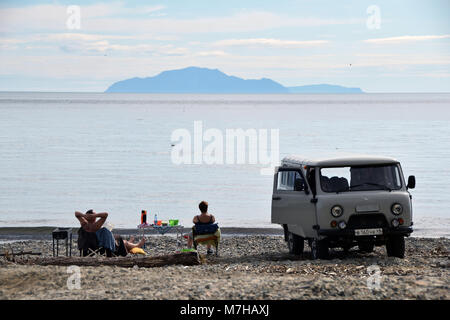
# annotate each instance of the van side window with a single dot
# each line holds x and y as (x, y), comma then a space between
(290, 181)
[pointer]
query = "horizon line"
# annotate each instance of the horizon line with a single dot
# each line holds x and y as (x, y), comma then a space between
(203, 93)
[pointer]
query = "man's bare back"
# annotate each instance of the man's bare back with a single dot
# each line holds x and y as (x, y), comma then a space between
(89, 222)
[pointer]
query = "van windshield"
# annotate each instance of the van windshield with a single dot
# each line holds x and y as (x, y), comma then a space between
(360, 178)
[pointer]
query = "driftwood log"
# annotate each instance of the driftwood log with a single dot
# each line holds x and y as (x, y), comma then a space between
(184, 258)
(20, 253)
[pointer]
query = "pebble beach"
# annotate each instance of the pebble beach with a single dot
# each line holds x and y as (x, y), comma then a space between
(248, 266)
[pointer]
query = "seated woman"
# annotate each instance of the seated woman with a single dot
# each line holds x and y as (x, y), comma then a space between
(92, 234)
(202, 219)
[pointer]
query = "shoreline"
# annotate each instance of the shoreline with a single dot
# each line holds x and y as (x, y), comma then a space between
(45, 232)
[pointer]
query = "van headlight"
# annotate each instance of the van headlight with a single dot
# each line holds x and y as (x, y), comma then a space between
(397, 209)
(337, 211)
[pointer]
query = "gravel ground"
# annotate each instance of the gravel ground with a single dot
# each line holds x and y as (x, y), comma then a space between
(248, 267)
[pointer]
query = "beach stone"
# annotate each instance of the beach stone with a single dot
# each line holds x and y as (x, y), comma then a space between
(290, 270)
(422, 283)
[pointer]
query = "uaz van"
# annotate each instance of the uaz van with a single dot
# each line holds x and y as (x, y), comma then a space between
(342, 201)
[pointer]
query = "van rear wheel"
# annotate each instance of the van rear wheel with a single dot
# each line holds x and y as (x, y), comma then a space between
(296, 243)
(395, 246)
(319, 249)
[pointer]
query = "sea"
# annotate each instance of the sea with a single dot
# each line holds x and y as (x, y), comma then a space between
(120, 153)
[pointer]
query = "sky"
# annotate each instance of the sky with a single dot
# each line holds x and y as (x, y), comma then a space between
(85, 46)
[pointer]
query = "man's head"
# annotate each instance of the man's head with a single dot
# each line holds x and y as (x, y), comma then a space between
(203, 206)
(90, 215)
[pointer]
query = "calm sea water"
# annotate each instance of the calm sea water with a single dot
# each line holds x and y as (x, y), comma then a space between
(61, 152)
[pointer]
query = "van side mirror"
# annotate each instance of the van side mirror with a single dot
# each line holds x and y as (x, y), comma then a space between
(411, 182)
(299, 185)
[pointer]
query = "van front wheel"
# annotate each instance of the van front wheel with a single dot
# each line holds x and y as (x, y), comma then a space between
(295, 243)
(395, 246)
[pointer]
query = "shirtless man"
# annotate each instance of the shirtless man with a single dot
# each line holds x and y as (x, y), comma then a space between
(88, 220)
(89, 223)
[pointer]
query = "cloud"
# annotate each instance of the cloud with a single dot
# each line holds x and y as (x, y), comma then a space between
(10, 44)
(105, 47)
(399, 60)
(213, 53)
(38, 18)
(32, 18)
(79, 36)
(406, 39)
(240, 22)
(115, 17)
(270, 43)
(84, 43)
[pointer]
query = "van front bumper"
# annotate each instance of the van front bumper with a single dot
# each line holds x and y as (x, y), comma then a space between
(405, 231)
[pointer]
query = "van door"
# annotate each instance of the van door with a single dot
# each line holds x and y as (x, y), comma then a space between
(291, 202)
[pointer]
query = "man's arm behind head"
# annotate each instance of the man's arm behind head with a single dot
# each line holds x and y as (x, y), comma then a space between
(81, 218)
(99, 223)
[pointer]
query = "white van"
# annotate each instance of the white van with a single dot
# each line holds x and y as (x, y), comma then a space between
(342, 201)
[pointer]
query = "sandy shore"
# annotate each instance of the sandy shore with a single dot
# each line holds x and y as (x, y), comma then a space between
(252, 266)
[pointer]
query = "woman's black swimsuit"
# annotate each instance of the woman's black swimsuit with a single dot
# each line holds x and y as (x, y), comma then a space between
(199, 222)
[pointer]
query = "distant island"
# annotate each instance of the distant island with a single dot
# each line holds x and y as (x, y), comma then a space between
(204, 80)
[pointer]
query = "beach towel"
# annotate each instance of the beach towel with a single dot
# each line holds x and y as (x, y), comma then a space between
(205, 239)
(106, 239)
(138, 251)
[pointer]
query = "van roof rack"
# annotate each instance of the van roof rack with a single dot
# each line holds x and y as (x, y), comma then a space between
(343, 159)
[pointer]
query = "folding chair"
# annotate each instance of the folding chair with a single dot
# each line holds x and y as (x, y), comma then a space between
(206, 235)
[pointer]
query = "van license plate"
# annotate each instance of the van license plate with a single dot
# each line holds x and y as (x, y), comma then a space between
(368, 232)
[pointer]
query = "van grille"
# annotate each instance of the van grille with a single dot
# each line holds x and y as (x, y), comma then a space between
(365, 221)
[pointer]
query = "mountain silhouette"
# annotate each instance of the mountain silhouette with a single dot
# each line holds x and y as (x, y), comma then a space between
(204, 80)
